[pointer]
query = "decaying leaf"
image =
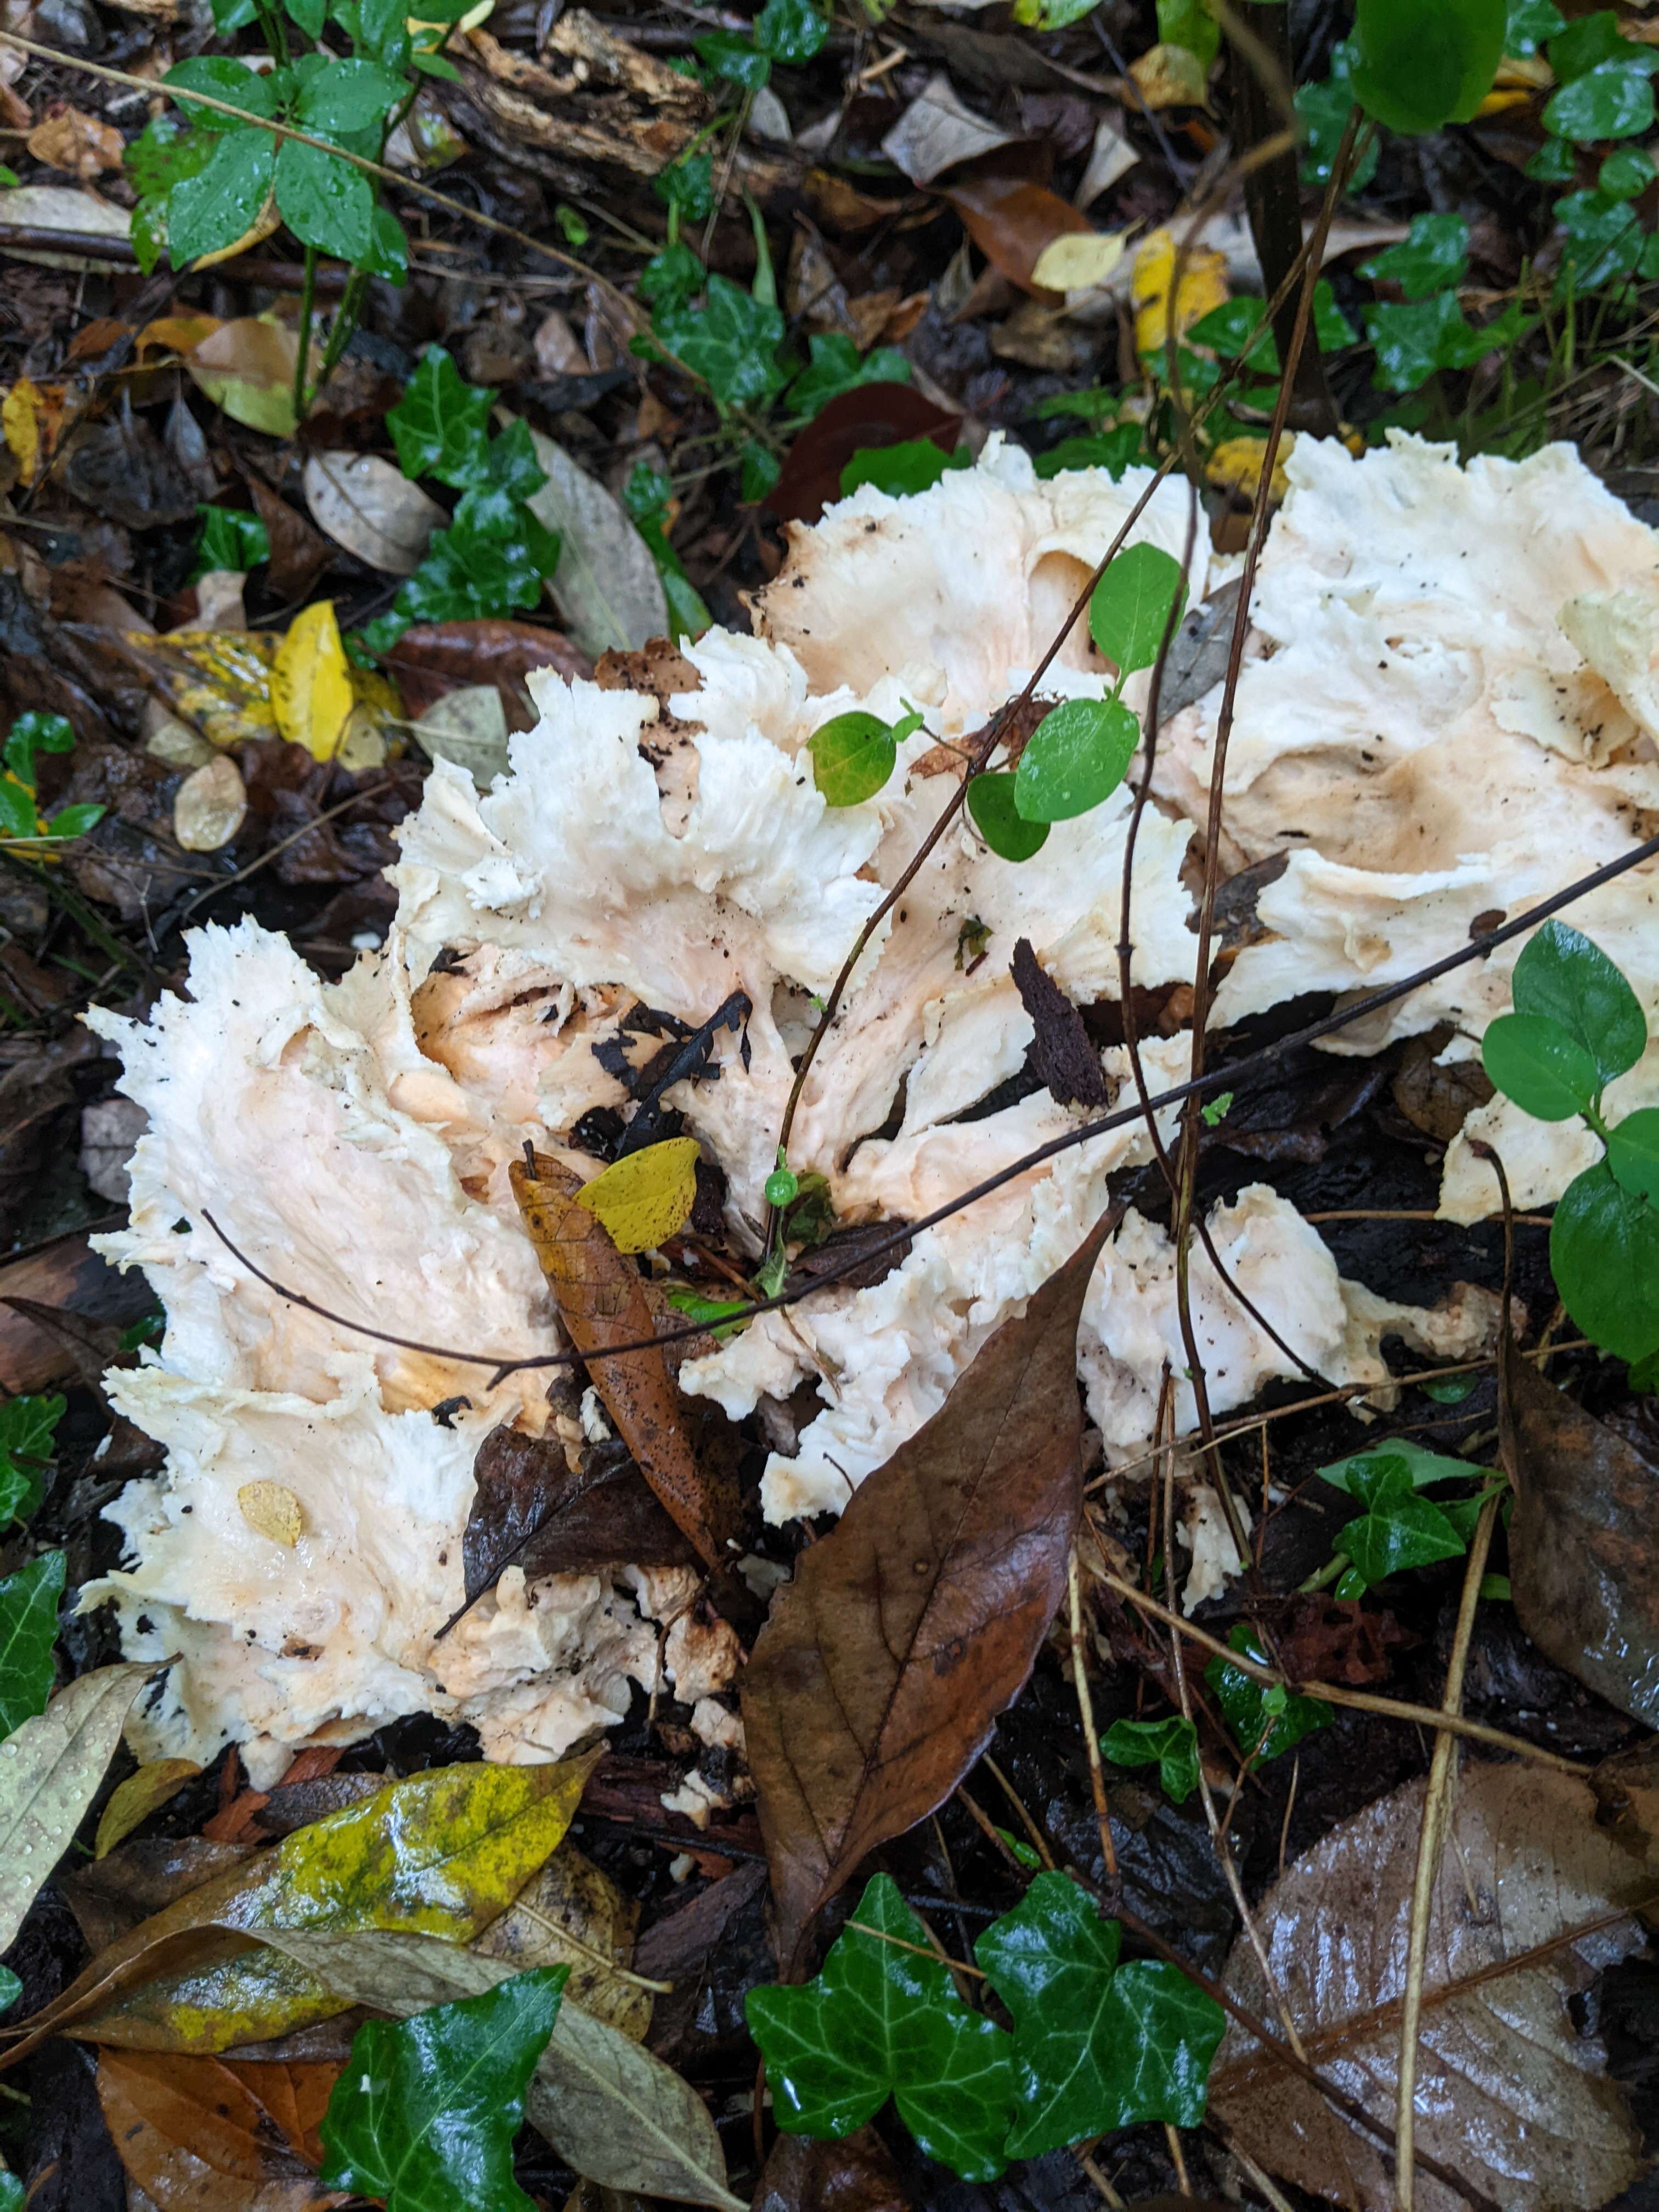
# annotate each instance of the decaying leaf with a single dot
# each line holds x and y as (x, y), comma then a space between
(468, 726)
(646, 1197)
(1583, 1564)
(32, 416)
(607, 584)
(1077, 260)
(572, 1914)
(310, 694)
(200, 2135)
(50, 1770)
(211, 807)
(1013, 220)
(65, 138)
(217, 681)
(610, 2109)
(602, 1301)
(1526, 1911)
(370, 508)
(870, 415)
(1170, 75)
(246, 367)
(875, 1683)
(530, 1509)
(57, 207)
(271, 1510)
(1203, 286)
(936, 131)
(431, 660)
(134, 1800)
(856, 2174)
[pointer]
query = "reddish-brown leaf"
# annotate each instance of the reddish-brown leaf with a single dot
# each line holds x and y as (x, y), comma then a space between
(870, 415)
(602, 1301)
(432, 659)
(298, 552)
(877, 1680)
(1010, 220)
(856, 2174)
(1583, 1557)
(530, 1510)
(205, 2134)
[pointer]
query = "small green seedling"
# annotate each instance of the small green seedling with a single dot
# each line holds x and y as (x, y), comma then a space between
(1265, 1719)
(21, 821)
(1170, 1745)
(854, 754)
(1400, 1529)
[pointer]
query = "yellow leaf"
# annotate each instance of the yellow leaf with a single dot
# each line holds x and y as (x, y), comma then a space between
(311, 683)
(1235, 464)
(32, 416)
(1169, 75)
(246, 366)
(269, 1509)
(138, 1797)
(1079, 259)
(176, 333)
(571, 1914)
(646, 1197)
(1203, 286)
(217, 681)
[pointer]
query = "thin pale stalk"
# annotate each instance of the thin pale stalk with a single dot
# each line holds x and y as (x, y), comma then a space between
(1086, 1713)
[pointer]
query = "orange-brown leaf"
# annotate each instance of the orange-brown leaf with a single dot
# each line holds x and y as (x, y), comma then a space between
(203, 2135)
(1010, 220)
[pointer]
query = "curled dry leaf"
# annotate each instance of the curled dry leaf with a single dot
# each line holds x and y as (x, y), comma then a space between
(370, 508)
(67, 139)
(602, 1301)
(202, 2134)
(1529, 1906)
(1013, 222)
(530, 1509)
(433, 660)
(937, 130)
(468, 726)
(211, 807)
(134, 1800)
(1583, 1562)
(607, 584)
(876, 1681)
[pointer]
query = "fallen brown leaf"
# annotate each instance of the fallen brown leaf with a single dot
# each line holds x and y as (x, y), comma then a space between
(1532, 1900)
(202, 2134)
(876, 1681)
(431, 660)
(530, 1510)
(856, 2174)
(602, 1301)
(1012, 219)
(870, 414)
(66, 139)
(1583, 1561)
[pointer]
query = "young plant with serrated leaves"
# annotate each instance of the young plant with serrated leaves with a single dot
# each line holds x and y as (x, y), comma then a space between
(210, 177)
(1095, 2045)
(1577, 1028)
(1081, 752)
(1400, 1529)
(495, 555)
(21, 821)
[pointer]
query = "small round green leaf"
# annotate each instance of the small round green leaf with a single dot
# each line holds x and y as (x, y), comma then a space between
(1604, 1252)
(1129, 608)
(852, 756)
(1533, 1061)
(208, 212)
(991, 804)
(1633, 1154)
(1609, 101)
(1564, 976)
(1076, 758)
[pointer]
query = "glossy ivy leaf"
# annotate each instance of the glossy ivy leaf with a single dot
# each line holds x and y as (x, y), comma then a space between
(1633, 1153)
(1554, 163)
(1129, 609)
(27, 1427)
(466, 576)
(1564, 976)
(10, 1990)
(737, 59)
(731, 342)
(686, 186)
(760, 469)
(28, 1629)
(1077, 755)
(999, 821)
(1425, 1467)
(1323, 109)
(1400, 1529)
(1528, 24)
(854, 755)
(1266, 1719)
(309, 14)
(1602, 238)
(791, 31)
(1092, 405)
(231, 539)
(1170, 1745)
(1096, 2045)
(221, 78)
(1627, 172)
(353, 95)
(1419, 63)
(210, 211)
(324, 201)
(424, 2114)
(645, 495)
(1591, 42)
(440, 427)
(834, 368)
(1612, 101)
(1433, 257)
(19, 816)
(1536, 1062)
(910, 465)
(1414, 338)
(30, 735)
(672, 277)
(883, 2022)
(1604, 1254)
(1112, 450)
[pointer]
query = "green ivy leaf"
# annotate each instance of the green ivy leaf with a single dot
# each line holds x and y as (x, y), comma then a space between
(854, 755)
(426, 2110)
(27, 1427)
(1093, 405)
(231, 539)
(1323, 110)
(1529, 23)
(791, 31)
(1536, 1062)
(324, 201)
(1604, 1254)
(32, 734)
(1170, 1745)
(352, 95)
(672, 277)
(440, 427)
(1129, 608)
(1433, 257)
(1451, 1390)
(1425, 1467)
(645, 495)
(731, 341)
(1419, 63)
(75, 821)
(688, 186)
(1077, 755)
(761, 469)
(28, 1629)
(732, 55)
(1400, 1529)
(469, 574)
(1627, 172)
(909, 466)
(1633, 1153)
(232, 15)
(881, 2021)
(1096, 2045)
(1554, 163)
(213, 209)
(1269, 1721)
(1112, 450)
(834, 368)
(1563, 977)
(221, 78)
(1612, 101)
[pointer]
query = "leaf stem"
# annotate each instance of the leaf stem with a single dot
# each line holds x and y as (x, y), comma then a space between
(301, 359)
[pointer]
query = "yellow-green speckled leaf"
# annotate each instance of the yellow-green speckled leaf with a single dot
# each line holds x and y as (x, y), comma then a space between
(440, 1854)
(646, 1196)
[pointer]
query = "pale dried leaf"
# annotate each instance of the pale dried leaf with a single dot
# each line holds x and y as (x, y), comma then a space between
(269, 1508)
(1077, 260)
(572, 1897)
(57, 207)
(211, 804)
(606, 583)
(138, 1797)
(372, 509)
(936, 131)
(1509, 2094)
(468, 726)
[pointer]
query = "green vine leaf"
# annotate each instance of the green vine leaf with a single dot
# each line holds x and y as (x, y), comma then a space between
(731, 342)
(27, 1427)
(910, 465)
(1170, 1745)
(28, 1629)
(1434, 256)
(999, 820)
(1533, 1060)
(791, 31)
(834, 368)
(1633, 1154)
(211, 210)
(1604, 1254)
(1266, 1719)
(1562, 976)
(1129, 608)
(440, 427)
(324, 201)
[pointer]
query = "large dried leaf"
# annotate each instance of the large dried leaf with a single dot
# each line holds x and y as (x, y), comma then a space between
(200, 2135)
(442, 1852)
(607, 584)
(530, 1510)
(1509, 2094)
(602, 1301)
(372, 509)
(50, 1770)
(57, 207)
(1585, 1544)
(613, 2112)
(877, 1680)
(937, 130)
(870, 414)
